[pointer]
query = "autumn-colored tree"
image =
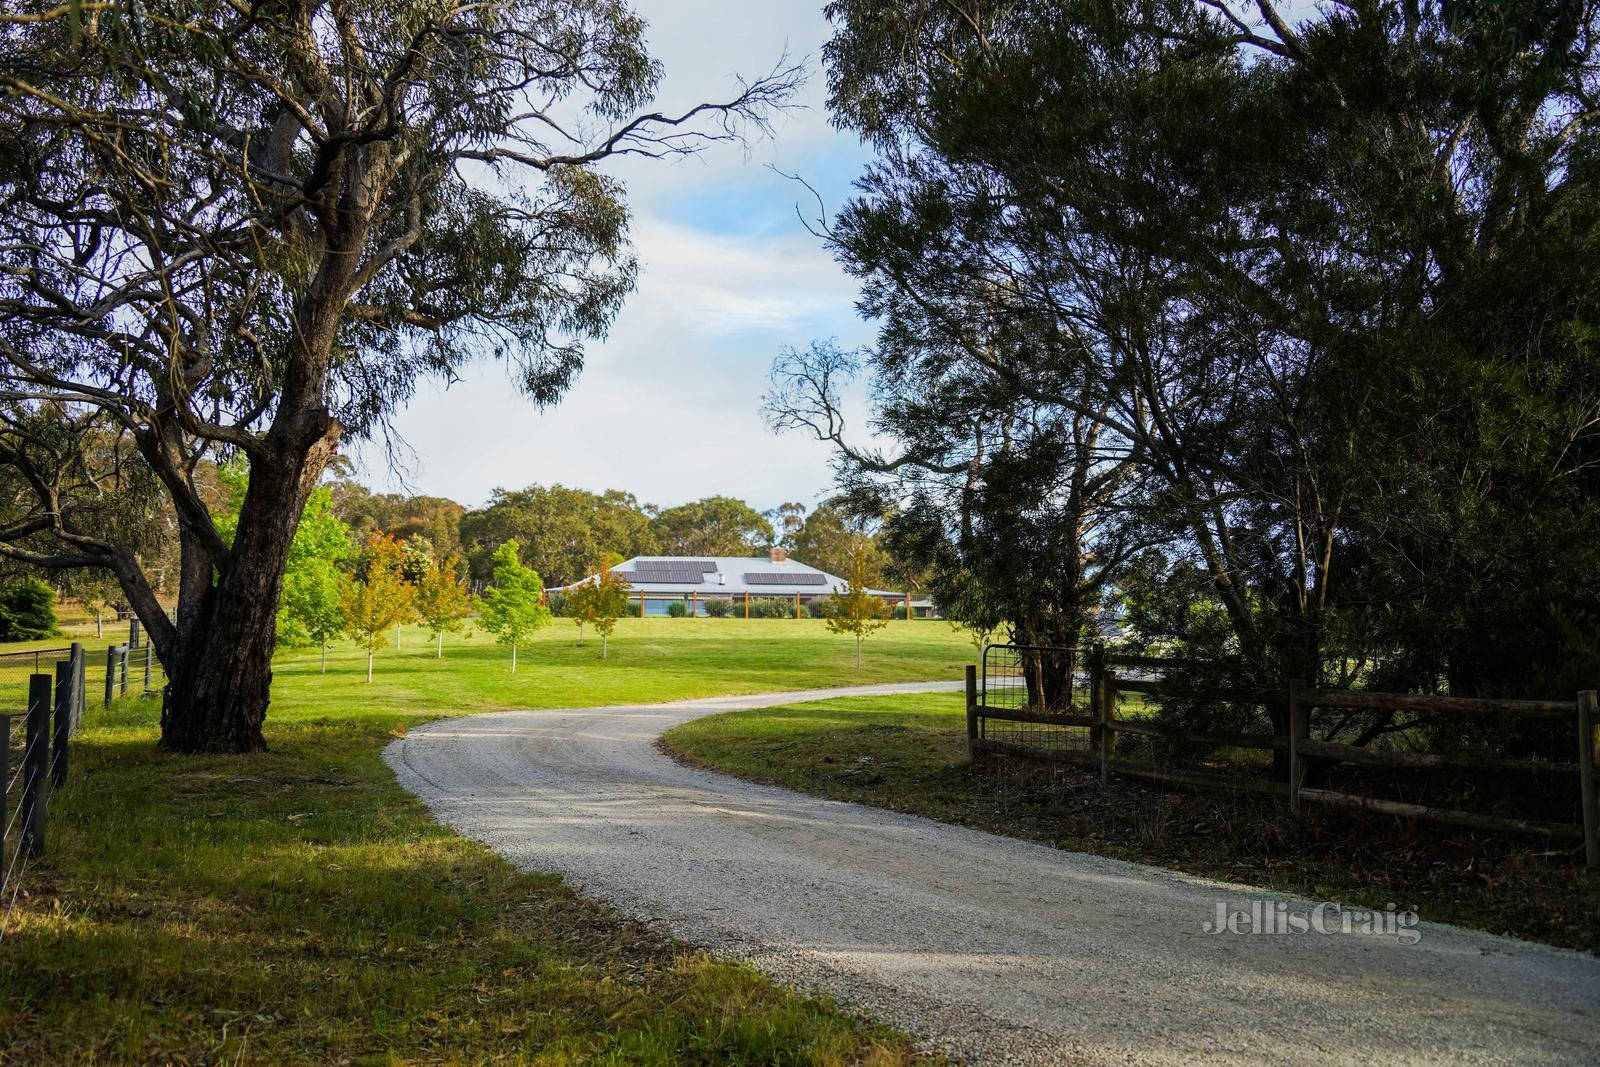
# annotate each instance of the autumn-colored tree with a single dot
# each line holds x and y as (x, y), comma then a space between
(853, 610)
(514, 607)
(378, 598)
(600, 601)
(443, 600)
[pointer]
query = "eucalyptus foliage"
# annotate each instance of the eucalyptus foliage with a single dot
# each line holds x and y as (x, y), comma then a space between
(249, 230)
(1288, 319)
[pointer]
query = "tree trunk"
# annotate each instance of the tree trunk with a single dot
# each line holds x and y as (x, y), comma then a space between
(219, 655)
(439, 650)
(324, 655)
(605, 645)
(219, 652)
(513, 657)
(220, 678)
(369, 666)
(858, 652)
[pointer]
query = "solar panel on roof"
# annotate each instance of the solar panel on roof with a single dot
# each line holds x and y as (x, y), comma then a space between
(668, 577)
(699, 566)
(785, 578)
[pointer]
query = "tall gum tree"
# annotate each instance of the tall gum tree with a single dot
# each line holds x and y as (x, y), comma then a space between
(247, 230)
(1323, 279)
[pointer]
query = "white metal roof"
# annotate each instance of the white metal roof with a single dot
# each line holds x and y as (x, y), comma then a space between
(728, 578)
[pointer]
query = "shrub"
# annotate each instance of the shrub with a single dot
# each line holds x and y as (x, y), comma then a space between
(27, 610)
(719, 608)
(817, 609)
(771, 607)
(677, 609)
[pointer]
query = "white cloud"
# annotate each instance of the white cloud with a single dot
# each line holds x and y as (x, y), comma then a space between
(666, 407)
(719, 285)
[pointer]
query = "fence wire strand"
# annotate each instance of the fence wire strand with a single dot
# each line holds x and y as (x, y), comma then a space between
(16, 889)
(18, 864)
(14, 815)
(38, 662)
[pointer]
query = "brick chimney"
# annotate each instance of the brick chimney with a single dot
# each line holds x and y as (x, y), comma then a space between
(779, 555)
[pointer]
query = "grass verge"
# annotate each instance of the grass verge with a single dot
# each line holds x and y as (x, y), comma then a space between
(909, 754)
(299, 906)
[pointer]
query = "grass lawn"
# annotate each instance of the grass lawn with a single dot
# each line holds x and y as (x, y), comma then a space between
(908, 753)
(651, 660)
(299, 906)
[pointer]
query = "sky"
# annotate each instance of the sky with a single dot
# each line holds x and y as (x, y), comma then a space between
(667, 406)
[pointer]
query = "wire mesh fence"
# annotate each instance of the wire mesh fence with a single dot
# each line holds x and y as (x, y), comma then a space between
(17, 667)
(110, 674)
(1039, 684)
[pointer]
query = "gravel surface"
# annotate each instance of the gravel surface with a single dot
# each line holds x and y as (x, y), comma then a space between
(986, 948)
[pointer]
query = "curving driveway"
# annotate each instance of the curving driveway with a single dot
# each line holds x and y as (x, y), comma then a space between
(991, 949)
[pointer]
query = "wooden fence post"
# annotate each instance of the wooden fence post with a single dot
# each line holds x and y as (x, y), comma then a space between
(1097, 667)
(122, 673)
(797, 605)
(80, 683)
(1586, 778)
(36, 765)
(147, 668)
(63, 725)
(133, 632)
(79, 678)
(1108, 718)
(111, 674)
(972, 711)
(1299, 730)
(641, 605)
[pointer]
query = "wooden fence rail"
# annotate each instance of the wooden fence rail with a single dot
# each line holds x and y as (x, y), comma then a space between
(1104, 725)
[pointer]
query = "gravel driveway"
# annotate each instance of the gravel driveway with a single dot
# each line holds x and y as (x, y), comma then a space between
(990, 949)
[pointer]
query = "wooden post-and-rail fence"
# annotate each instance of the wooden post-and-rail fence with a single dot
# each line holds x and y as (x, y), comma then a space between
(1009, 692)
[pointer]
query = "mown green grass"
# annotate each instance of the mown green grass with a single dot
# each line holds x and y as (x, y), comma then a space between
(651, 661)
(908, 753)
(299, 906)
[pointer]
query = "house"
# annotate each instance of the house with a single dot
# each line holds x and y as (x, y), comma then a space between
(656, 581)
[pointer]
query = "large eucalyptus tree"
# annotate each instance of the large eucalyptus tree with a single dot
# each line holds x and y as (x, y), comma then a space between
(249, 229)
(1325, 279)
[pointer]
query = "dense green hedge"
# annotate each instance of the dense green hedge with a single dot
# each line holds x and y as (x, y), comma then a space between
(27, 610)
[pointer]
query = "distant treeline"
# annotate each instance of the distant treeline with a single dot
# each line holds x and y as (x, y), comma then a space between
(564, 532)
